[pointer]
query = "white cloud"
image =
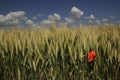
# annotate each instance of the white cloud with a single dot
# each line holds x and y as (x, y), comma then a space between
(12, 19)
(55, 18)
(76, 13)
(90, 21)
(104, 20)
(69, 21)
(47, 22)
(91, 17)
(17, 14)
(97, 21)
(30, 23)
(15, 19)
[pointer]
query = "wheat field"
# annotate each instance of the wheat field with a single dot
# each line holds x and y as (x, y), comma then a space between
(55, 53)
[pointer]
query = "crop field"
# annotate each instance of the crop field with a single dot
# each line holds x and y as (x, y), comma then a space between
(59, 53)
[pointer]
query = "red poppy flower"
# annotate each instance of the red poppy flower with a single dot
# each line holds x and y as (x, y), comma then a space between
(91, 56)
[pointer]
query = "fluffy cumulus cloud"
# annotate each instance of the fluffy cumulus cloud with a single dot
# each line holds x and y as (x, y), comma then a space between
(69, 21)
(97, 21)
(76, 13)
(12, 19)
(47, 22)
(30, 23)
(15, 19)
(55, 18)
(91, 17)
(90, 21)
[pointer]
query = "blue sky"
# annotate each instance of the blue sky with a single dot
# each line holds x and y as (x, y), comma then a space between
(60, 11)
